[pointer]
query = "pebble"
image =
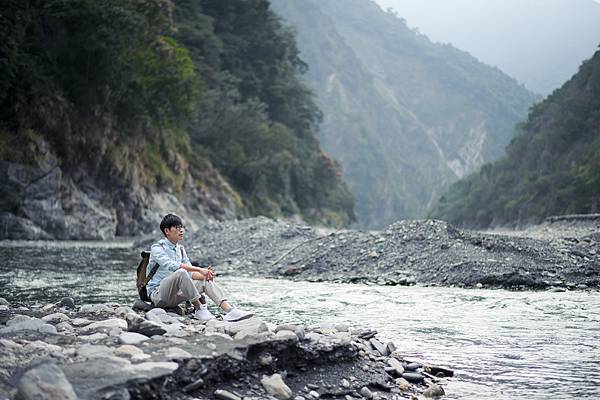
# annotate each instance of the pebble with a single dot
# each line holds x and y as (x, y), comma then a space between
(45, 382)
(128, 350)
(314, 394)
(434, 391)
(4, 302)
(225, 395)
(412, 366)
(175, 353)
(413, 377)
(56, 318)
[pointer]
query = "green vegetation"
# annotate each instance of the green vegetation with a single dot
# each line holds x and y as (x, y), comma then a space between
(552, 166)
(116, 84)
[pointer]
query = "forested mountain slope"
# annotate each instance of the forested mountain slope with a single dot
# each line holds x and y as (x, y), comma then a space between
(115, 112)
(404, 117)
(552, 166)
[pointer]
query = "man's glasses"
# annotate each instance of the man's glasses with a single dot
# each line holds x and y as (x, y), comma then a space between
(180, 227)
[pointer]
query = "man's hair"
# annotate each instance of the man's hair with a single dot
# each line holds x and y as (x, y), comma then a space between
(169, 221)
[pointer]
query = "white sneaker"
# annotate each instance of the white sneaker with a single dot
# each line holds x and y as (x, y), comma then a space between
(236, 315)
(203, 314)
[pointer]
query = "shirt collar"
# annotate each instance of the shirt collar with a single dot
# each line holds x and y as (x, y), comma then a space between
(169, 244)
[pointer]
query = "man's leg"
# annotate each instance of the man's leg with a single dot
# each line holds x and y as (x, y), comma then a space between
(213, 291)
(174, 289)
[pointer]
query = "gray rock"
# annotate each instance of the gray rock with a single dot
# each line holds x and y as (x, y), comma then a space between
(137, 324)
(28, 324)
(96, 308)
(93, 337)
(132, 338)
(67, 302)
(396, 365)
(128, 350)
(412, 366)
(225, 395)
(434, 391)
(4, 302)
(286, 335)
(380, 347)
(276, 387)
(314, 394)
(45, 382)
(265, 359)
(105, 325)
(93, 351)
(4, 314)
(413, 377)
(80, 322)
(366, 393)
(175, 353)
(56, 318)
(140, 305)
(160, 316)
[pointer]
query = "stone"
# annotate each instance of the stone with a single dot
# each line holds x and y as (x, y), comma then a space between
(403, 384)
(366, 393)
(4, 314)
(314, 394)
(56, 318)
(380, 347)
(276, 387)
(80, 322)
(105, 325)
(96, 308)
(175, 353)
(286, 335)
(141, 305)
(345, 383)
(4, 302)
(67, 302)
(132, 338)
(45, 382)
(64, 327)
(137, 324)
(225, 395)
(391, 347)
(265, 359)
(128, 350)
(92, 351)
(434, 390)
(197, 384)
(396, 365)
(123, 311)
(28, 324)
(93, 337)
(160, 316)
(412, 366)
(413, 377)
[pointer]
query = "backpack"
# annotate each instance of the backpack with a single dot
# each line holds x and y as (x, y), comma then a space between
(142, 277)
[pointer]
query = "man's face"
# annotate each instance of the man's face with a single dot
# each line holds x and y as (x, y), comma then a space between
(175, 234)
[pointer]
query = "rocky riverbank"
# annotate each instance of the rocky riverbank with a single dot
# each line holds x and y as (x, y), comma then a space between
(108, 351)
(559, 255)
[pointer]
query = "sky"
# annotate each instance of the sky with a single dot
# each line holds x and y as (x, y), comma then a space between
(541, 43)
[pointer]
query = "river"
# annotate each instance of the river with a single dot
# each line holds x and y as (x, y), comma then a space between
(501, 344)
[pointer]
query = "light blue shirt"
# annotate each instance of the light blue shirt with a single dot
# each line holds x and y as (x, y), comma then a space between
(169, 257)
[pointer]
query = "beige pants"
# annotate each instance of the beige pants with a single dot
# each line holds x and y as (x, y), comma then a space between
(179, 287)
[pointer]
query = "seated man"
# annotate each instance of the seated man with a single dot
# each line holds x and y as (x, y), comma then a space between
(176, 280)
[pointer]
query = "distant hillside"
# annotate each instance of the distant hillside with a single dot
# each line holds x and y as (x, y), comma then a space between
(552, 167)
(546, 42)
(404, 117)
(115, 112)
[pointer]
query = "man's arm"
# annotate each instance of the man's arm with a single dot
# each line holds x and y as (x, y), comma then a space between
(206, 273)
(160, 256)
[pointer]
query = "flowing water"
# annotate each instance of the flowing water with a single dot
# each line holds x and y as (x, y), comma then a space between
(501, 344)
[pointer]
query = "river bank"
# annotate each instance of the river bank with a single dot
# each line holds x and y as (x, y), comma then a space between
(61, 351)
(558, 255)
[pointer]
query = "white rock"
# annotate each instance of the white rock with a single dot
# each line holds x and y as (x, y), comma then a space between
(96, 308)
(93, 337)
(107, 325)
(56, 318)
(80, 322)
(175, 353)
(45, 382)
(132, 338)
(93, 351)
(276, 387)
(286, 335)
(29, 324)
(128, 350)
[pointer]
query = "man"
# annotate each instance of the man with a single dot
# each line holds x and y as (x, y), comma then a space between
(177, 280)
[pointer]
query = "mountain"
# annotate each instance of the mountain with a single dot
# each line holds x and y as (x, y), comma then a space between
(114, 113)
(551, 168)
(545, 44)
(405, 117)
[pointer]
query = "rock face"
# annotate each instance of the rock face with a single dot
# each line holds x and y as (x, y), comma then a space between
(45, 201)
(200, 361)
(405, 253)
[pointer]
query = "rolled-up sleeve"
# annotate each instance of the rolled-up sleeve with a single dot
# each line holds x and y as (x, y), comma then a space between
(160, 256)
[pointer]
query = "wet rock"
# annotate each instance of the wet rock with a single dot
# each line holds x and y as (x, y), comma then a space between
(276, 387)
(434, 390)
(413, 377)
(67, 302)
(380, 347)
(225, 395)
(45, 382)
(132, 338)
(412, 366)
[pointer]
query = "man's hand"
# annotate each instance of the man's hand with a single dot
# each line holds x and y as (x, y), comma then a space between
(208, 273)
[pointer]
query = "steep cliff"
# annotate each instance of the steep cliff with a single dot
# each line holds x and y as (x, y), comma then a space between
(404, 117)
(552, 166)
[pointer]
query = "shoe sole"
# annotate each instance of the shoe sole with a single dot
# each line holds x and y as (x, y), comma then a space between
(240, 319)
